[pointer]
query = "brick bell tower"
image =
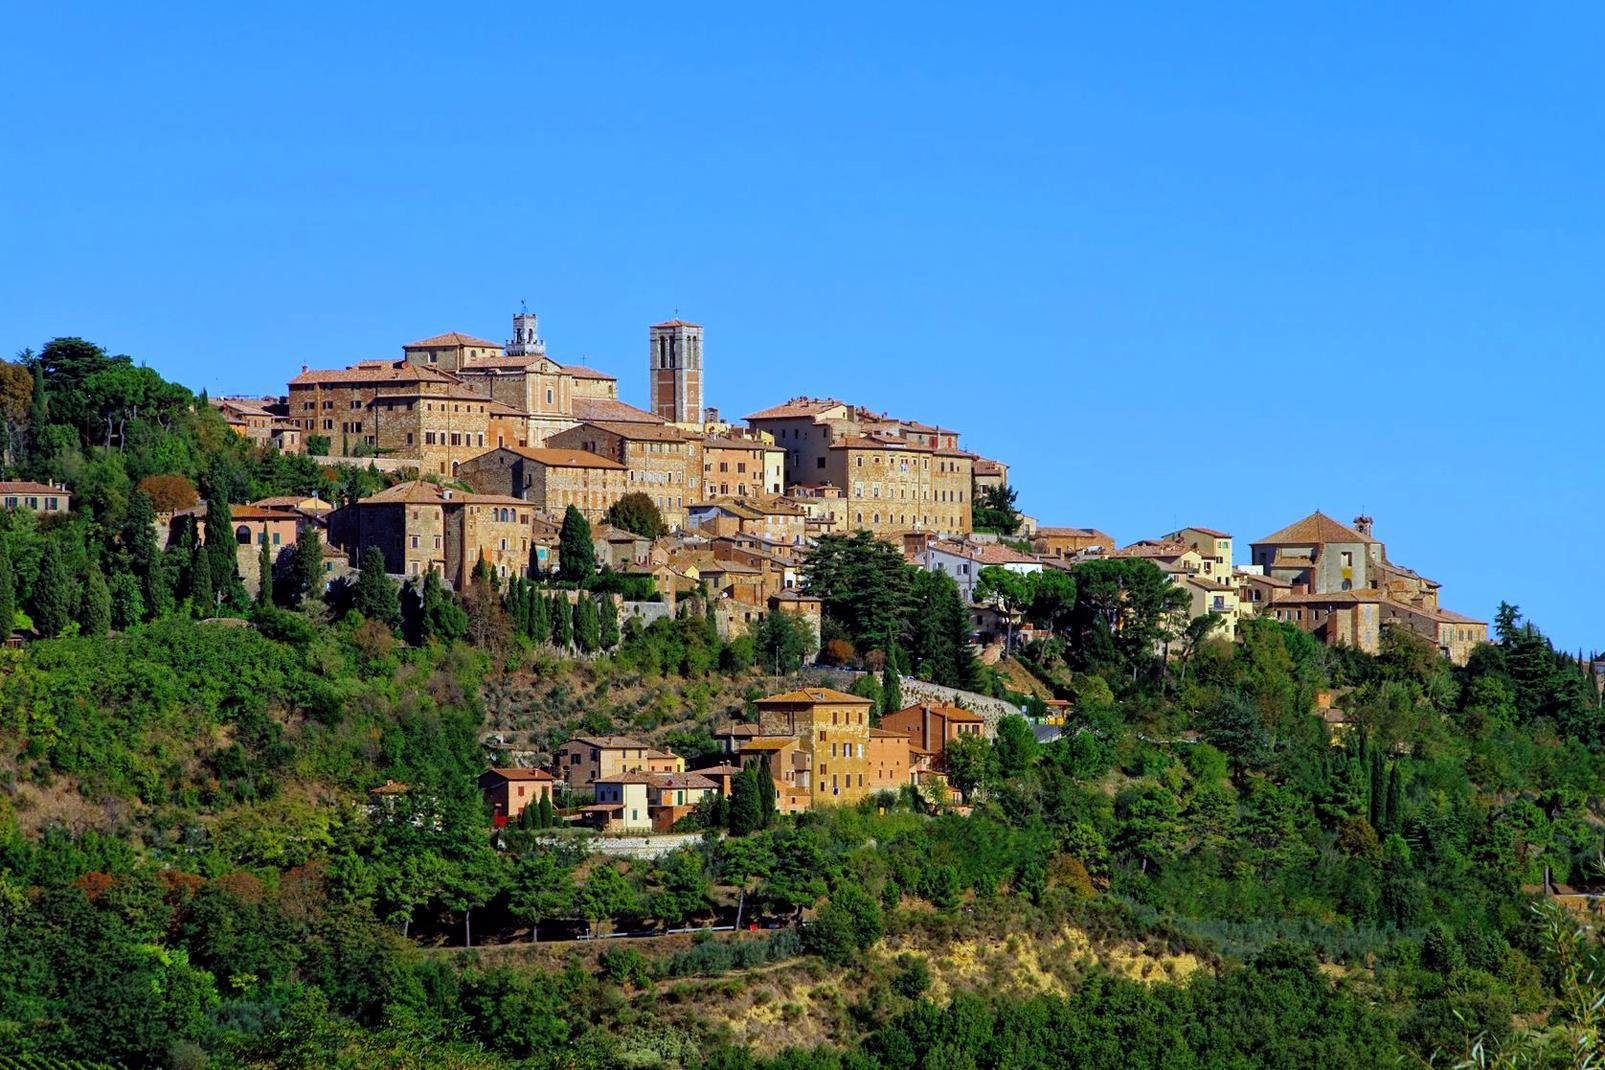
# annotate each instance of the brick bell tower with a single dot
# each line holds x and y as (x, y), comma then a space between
(674, 371)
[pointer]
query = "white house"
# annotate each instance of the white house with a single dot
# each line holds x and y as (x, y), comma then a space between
(964, 561)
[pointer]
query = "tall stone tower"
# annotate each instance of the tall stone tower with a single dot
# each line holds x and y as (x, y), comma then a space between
(675, 371)
(526, 340)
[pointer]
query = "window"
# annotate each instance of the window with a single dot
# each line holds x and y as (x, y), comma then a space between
(1347, 559)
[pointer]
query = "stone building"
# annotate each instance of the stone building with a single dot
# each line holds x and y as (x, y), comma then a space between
(1062, 542)
(550, 479)
(423, 527)
(1343, 588)
(675, 371)
(402, 410)
(583, 760)
(892, 486)
(662, 462)
(35, 497)
(740, 467)
(831, 729)
(989, 474)
(894, 475)
(450, 351)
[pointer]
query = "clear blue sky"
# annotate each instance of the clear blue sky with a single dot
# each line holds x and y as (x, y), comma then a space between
(1175, 267)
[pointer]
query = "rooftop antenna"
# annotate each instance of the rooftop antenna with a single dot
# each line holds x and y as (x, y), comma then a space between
(523, 309)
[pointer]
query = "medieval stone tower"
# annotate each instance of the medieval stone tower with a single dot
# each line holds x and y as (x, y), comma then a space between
(526, 340)
(675, 371)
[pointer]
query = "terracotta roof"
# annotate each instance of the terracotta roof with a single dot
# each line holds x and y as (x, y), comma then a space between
(639, 431)
(422, 492)
(519, 773)
(581, 371)
(294, 501)
(682, 780)
(952, 713)
(1258, 577)
(797, 407)
(985, 467)
(374, 371)
(611, 742)
(391, 787)
(676, 323)
(720, 442)
(559, 458)
(627, 778)
(1313, 530)
(986, 553)
(1211, 532)
(725, 769)
(499, 363)
(886, 733)
(451, 338)
(588, 410)
(763, 743)
(815, 695)
(26, 486)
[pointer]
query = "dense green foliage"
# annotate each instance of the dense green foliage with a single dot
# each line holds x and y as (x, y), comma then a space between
(196, 868)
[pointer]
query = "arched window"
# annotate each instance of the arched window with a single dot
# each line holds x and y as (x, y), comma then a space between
(242, 535)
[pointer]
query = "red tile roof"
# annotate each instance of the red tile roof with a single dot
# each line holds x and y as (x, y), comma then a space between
(676, 323)
(589, 410)
(1315, 529)
(561, 458)
(451, 338)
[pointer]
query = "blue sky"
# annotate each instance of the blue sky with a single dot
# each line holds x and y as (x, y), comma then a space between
(1175, 266)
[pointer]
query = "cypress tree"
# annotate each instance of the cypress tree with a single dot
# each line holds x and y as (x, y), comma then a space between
(53, 593)
(264, 574)
(562, 622)
(377, 596)
(516, 602)
(609, 612)
(94, 615)
(545, 818)
(220, 542)
(766, 795)
(1377, 786)
(144, 553)
(746, 808)
(538, 622)
(587, 626)
(307, 567)
(891, 683)
(203, 602)
(8, 593)
(127, 606)
(1395, 803)
(576, 551)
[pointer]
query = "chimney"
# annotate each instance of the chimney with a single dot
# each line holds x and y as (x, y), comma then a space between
(1362, 524)
(303, 369)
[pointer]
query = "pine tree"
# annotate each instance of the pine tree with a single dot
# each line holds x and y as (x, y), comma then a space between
(891, 683)
(94, 613)
(203, 601)
(264, 572)
(8, 593)
(609, 612)
(127, 605)
(576, 551)
(377, 597)
(562, 622)
(53, 594)
(587, 627)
